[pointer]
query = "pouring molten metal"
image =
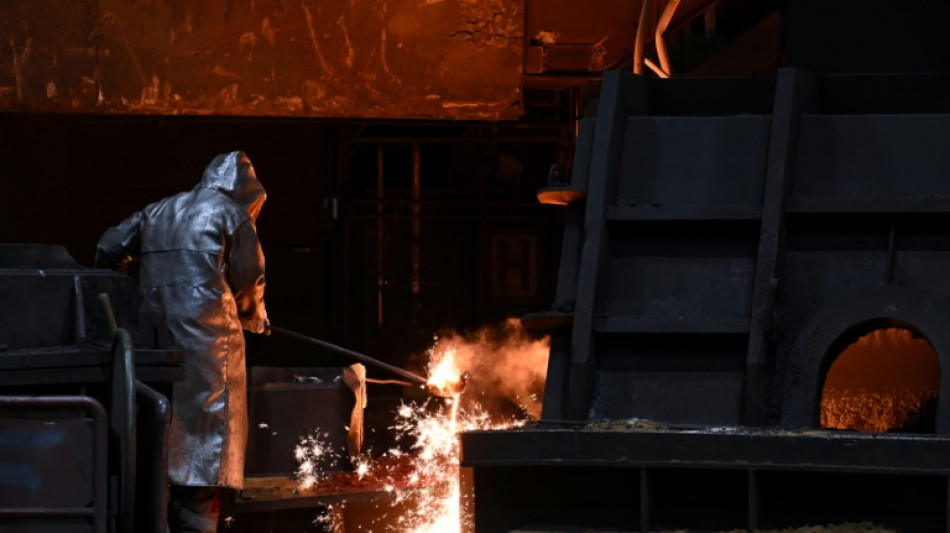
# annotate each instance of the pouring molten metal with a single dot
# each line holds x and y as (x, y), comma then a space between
(445, 378)
(477, 379)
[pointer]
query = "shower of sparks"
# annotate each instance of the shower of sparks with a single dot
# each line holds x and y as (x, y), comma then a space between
(316, 458)
(363, 465)
(422, 473)
(434, 436)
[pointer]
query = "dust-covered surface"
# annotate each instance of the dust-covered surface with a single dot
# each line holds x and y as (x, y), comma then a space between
(861, 527)
(386, 475)
(644, 425)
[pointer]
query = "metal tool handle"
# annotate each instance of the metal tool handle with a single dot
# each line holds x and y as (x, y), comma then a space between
(355, 355)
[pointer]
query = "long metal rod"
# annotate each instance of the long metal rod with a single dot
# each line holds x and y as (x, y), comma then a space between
(355, 355)
(659, 71)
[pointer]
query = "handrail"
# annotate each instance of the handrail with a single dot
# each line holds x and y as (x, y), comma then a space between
(100, 500)
(154, 409)
(122, 415)
(123, 423)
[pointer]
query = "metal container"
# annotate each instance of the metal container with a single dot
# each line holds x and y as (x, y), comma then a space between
(290, 404)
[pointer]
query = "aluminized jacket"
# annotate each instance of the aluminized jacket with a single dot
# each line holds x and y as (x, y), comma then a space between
(202, 266)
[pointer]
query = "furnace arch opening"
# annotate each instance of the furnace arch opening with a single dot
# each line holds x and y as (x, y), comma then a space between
(883, 376)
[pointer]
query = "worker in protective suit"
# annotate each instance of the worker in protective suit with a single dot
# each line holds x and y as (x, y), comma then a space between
(202, 267)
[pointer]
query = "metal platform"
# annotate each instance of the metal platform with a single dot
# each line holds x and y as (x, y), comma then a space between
(705, 479)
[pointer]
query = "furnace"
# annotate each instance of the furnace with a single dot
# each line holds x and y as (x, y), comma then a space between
(886, 380)
(750, 322)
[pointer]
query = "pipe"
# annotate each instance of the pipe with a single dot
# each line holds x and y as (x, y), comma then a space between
(155, 415)
(122, 414)
(659, 71)
(661, 26)
(645, 12)
(123, 420)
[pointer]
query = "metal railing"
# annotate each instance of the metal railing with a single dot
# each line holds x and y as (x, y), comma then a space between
(83, 406)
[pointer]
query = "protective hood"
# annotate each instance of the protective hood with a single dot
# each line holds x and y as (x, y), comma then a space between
(233, 174)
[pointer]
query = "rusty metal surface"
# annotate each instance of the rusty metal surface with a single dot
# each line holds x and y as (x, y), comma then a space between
(581, 37)
(567, 36)
(337, 58)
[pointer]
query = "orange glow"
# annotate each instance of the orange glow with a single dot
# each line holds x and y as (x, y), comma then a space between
(886, 380)
(497, 366)
(445, 377)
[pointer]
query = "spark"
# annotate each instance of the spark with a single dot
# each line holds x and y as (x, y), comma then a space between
(362, 467)
(428, 431)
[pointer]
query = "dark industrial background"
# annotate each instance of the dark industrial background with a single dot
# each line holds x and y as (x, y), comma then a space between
(401, 145)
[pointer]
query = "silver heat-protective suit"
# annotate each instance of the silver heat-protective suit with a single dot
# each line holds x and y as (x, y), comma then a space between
(203, 267)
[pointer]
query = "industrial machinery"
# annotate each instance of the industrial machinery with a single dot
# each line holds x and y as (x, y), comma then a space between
(733, 239)
(85, 398)
(83, 407)
(85, 392)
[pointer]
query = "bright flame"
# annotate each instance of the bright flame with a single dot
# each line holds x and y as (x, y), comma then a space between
(445, 377)
(507, 369)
